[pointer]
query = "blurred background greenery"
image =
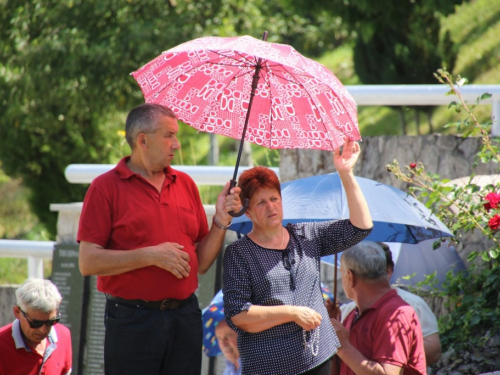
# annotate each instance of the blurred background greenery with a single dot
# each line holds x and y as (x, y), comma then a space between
(65, 87)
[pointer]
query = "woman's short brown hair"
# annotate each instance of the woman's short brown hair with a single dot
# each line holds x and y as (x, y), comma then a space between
(256, 178)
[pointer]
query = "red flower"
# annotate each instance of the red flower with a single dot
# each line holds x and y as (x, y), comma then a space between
(493, 200)
(494, 222)
(413, 165)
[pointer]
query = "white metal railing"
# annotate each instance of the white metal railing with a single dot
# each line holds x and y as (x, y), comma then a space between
(202, 175)
(416, 95)
(34, 251)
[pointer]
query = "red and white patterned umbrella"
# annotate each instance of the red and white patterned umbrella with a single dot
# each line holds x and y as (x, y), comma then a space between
(252, 90)
(207, 82)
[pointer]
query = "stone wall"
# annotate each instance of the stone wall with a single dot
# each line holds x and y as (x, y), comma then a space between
(449, 156)
(7, 302)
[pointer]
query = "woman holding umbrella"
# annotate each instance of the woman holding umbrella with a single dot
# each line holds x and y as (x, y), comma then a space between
(272, 293)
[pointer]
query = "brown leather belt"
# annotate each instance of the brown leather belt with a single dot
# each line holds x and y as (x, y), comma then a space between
(166, 304)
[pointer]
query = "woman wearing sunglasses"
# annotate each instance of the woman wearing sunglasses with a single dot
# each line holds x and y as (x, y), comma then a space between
(33, 343)
(272, 290)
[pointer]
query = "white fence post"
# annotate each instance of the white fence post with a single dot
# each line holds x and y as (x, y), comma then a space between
(35, 267)
(495, 115)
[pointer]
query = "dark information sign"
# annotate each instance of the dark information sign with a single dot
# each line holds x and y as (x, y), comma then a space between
(71, 284)
(94, 353)
(82, 310)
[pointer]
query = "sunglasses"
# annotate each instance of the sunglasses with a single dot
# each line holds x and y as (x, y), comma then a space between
(38, 323)
(288, 262)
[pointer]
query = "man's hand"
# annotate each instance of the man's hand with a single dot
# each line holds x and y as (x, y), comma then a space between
(170, 257)
(350, 154)
(342, 332)
(227, 203)
(307, 318)
(333, 310)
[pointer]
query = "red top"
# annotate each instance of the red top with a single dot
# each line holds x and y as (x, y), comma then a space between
(18, 358)
(388, 332)
(122, 211)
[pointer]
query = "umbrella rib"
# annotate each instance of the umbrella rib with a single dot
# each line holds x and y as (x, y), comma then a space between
(239, 54)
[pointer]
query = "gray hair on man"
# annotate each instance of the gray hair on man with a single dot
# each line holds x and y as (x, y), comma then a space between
(142, 119)
(38, 294)
(367, 261)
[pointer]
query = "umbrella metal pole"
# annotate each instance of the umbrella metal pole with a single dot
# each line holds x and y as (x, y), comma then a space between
(335, 281)
(255, 81)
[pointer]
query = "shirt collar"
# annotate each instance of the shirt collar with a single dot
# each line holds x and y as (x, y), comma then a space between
(379, 303)
(18, 336)
(124, 171)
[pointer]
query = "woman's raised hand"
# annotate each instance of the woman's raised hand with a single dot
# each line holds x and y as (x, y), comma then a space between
(350, 152)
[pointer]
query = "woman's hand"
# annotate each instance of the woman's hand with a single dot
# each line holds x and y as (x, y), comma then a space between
(349, 157)
(307, 318)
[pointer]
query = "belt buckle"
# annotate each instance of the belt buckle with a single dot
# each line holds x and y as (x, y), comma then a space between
(165, 304)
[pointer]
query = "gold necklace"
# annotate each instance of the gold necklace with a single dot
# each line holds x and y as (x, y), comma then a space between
(263, 243)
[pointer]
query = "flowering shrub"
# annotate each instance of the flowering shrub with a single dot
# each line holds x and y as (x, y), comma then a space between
(461, 208)
(494, 222)
(473, 295)
(492, 201)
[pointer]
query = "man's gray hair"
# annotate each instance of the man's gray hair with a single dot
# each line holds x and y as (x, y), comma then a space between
(366, 260)
(143, 119)
(38, 294)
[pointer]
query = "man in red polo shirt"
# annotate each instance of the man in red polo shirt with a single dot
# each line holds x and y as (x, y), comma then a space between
(34, 344)
(382, 335)
(144, 232)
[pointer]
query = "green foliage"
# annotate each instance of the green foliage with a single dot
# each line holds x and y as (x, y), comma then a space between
(16, 219)
(15, 271)
(395, 42)
(473, 296)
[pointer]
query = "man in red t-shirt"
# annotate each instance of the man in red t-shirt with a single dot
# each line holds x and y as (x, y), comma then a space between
(33, 344)
(144, 232)
(382, 334)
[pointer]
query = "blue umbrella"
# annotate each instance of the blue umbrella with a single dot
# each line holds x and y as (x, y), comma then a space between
(214, 313)
(397, 216)
(412, 262)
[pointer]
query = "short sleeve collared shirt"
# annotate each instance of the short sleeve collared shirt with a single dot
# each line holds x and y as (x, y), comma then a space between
(123, 211)
(18, 358)
(388, 332)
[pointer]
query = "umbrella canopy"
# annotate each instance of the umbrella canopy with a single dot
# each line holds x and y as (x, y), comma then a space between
(214, 313)
(412, 262)
(296, 101)
(397, 216)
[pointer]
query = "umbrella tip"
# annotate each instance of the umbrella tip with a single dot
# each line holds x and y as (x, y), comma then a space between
(264, 36)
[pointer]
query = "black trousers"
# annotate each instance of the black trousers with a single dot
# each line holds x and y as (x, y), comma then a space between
(143, 341)
(324, 369)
